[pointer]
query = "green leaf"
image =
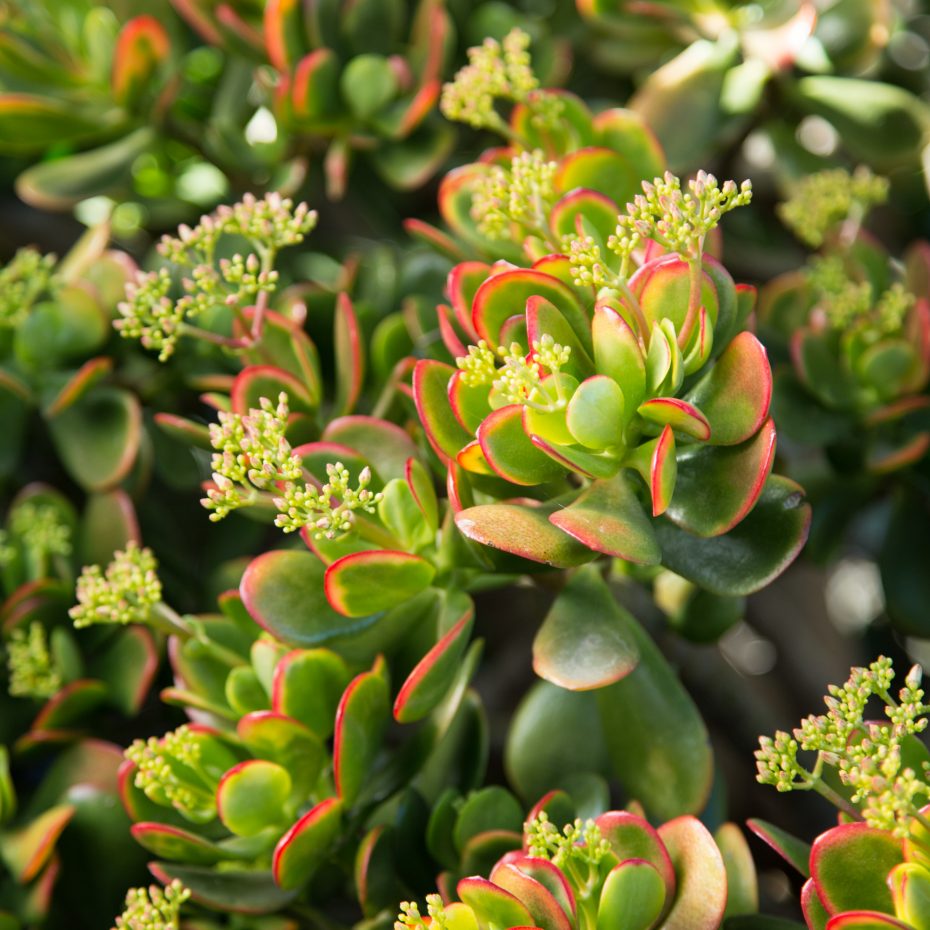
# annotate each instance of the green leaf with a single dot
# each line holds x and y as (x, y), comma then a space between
(283, 591)
(742, 882)
(547, 912)
(368, 83)
(850, 865)
(251, 796)
(384, 445)
(168, 842)
(910, 889)
(554, 734)
(658, 744)
(60, 183)
(279, 738)
(98, 437)
(878, 123)
(240, 892)
(307, 844)
(631, 837)
(425, 687)
(30, 123)
(632, 897)
(492, 808)
(701, 896)
(522, 530)
(108, 523)
(361, 721)
(308, 684)
(595, 413)
(127, 665)
(585, 643)
(753, 553)
(364, 583)
(61, 330)
(430, 392)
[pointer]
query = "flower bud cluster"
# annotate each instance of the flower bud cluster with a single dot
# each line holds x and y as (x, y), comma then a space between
(868, 756)
(268, 224)
(168, 770)
(126, 592)
(41, 529)
(822, 202)
(677, 220)
(498, 72)
(33, 673)
(153, 908)
(522, 194)
(23, 280)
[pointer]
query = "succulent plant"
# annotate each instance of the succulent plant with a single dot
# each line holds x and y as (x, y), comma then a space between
(55, 322)
(855, 324)
(616, 870)
(871, 870)
(624, 356)
(729, 68)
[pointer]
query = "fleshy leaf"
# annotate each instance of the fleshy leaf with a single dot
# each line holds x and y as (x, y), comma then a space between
(306, 845)
(584, 643)
(364, 583)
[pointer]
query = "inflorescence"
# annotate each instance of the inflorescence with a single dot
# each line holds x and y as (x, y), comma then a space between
(521, 193)
(498, 72)
(253, 455)
(23, 280)
(868, 755)
(269, 224)
(153, 908)
(822, 202)
(126, 592)
(32, 670)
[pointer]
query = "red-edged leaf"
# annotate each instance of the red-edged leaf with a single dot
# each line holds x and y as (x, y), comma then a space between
(461, 285)
(866, 920)
(504, 295)
(511, 453)
(608, 517)
(432, 676)
(523, 530)
(242, 892)
(815, 914)
(736, 393)
(350, 356)
(78, 384)
(679, 415)
(633, 837)
(794, 851)
(26, 850)
(369, 582)
(701, 897)
(306, 844)
(307, 686)
(718, 486)
(141, 45)
(493, 905)
(282, 739)
(361, 720)
(850, 865)
(430, 393)
(251, 796)
(584, 641)
(600, 169)
(596, 208)
(258, 381)
(543, 906)
(632, 897)
(168, 842)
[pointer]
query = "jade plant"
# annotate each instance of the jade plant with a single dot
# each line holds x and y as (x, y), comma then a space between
(872, 869)
(855, 324)
(616, 870)
(733, 68)
(613, 375)
(290, 769)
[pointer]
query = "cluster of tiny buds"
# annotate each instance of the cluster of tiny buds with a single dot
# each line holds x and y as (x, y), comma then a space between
(410, 918)
(522, 193)
(867, 755)
(153, 908)
(327, 512)
(587, 261)
(251, 452)
(41, 528)
(581, 840)
(23, 280)
(268, 224)
(495, 71)
(167, 770)
(33, 673)
(822, 202)
(125, 593)
(679, 220)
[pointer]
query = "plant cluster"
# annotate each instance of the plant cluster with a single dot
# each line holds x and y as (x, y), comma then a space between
(287, 520)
